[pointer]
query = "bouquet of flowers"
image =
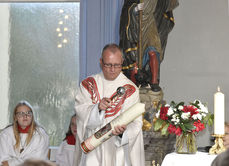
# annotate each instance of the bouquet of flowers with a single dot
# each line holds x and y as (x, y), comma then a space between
(181, 119)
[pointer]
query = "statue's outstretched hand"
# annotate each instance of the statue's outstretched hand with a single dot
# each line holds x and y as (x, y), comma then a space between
(139, 7)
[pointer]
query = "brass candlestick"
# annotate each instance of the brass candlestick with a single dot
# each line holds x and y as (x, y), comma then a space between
(154, 163)
(219, 146)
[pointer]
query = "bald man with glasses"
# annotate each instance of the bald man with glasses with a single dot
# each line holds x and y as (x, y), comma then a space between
(97, 103)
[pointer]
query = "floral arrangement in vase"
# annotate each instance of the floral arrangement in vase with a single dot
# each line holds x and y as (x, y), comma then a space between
(185, 121)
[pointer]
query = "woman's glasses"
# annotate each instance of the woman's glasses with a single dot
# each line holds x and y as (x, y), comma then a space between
(24, 114)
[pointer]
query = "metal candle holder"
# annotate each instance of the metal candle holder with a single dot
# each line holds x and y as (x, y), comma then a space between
(219, 146)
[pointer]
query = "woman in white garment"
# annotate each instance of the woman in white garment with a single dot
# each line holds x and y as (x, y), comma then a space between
(66, 151)
(24, 139)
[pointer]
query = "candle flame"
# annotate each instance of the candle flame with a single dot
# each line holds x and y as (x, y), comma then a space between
(218, 88)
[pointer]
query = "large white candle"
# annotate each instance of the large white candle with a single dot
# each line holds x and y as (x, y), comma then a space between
(219, 112)
(105, 132)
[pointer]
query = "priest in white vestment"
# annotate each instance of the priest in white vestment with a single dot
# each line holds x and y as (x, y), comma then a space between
(95, 108)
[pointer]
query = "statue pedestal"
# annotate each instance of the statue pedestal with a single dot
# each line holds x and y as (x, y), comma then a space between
(156, 146)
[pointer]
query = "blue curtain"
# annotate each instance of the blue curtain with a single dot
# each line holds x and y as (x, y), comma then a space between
(99, 25)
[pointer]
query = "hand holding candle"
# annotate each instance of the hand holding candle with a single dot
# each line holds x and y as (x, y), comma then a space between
(105, 132)
(219, 112)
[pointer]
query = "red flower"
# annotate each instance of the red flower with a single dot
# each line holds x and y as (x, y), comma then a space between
(163, 113)
(190, 108)
(199, 126)
(172, 129)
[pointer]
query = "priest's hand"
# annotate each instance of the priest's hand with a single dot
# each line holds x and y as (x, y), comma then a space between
(119, 129)
(104, 103)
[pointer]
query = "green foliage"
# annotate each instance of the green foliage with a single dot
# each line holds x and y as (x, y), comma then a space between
(189, 126)
(164, 130)
(158, 124)
(209, 119)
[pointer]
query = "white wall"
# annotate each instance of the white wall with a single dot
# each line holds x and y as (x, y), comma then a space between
(197, 55)
(4, 59)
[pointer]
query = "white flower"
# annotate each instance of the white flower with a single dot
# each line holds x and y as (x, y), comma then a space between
(167, 105)
(174, 116)
(203, 108)
(197, 116)
(196, 101)
(185, 115)
(194, 116)
(170, 111)
(203, 114)
(180, 107)
(158, 114)
(175, 119)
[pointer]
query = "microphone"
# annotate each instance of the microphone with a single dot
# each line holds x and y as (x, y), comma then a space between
(120, 91)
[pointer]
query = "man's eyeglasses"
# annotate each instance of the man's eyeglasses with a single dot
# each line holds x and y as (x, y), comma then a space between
(109, 65)
(23, 114)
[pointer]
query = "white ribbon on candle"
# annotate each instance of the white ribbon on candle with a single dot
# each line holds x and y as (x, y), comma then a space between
(219, 112)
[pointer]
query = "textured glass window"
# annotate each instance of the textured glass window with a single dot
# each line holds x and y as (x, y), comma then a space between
(43, 62)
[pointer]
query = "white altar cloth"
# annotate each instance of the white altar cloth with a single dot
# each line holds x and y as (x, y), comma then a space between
(198, 159)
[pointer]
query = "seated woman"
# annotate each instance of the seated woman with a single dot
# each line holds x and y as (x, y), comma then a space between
(66, 151)
(24, 139)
